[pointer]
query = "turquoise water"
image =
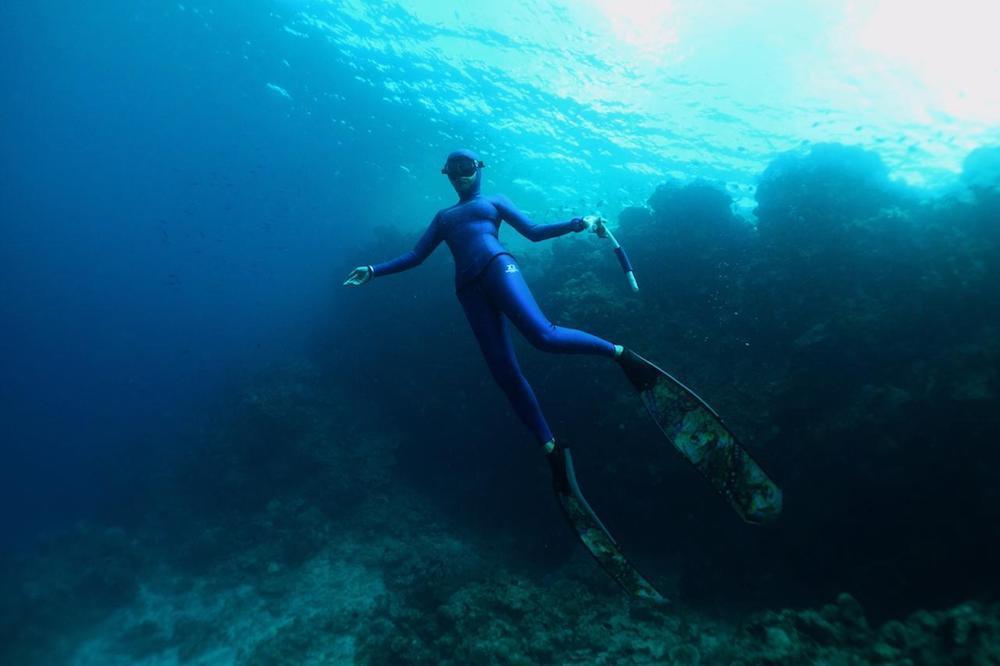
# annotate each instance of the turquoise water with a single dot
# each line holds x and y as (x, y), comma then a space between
(615, 93)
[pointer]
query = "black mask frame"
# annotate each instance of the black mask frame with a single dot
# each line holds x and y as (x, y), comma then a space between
(462, 167)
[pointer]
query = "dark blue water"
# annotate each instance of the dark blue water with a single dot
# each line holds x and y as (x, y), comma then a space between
(164, 228)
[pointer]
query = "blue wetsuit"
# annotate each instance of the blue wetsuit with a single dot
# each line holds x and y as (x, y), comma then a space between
(490, 287)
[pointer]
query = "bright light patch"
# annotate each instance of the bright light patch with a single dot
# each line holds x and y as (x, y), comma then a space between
(949, 49)
(278, 89)
(647, 26)
(711, 89)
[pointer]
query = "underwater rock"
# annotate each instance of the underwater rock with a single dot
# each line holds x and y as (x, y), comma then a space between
(802, 196)
(635, 219)
(685, 655)
(510, 619)
(383, 592)
(981, 172)
(839, 634)
(700, 205)
(66, 581)
(697, 218)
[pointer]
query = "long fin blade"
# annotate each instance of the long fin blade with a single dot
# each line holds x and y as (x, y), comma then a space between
(600, 543)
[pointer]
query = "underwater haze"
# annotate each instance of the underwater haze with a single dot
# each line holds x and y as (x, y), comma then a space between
(215, 452)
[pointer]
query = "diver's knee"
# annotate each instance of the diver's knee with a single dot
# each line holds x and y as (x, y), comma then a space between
(545, 339)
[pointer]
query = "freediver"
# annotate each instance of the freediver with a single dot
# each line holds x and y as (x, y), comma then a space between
(491, 289)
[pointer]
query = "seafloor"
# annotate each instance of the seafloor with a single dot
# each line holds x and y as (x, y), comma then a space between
(392, 585)
(367, 572)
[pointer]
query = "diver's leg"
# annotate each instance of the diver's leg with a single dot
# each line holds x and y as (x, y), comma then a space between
(491, 332)
(511, 294)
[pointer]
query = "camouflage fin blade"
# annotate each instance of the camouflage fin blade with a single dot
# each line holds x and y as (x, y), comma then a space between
(700, 436)
(599, 541)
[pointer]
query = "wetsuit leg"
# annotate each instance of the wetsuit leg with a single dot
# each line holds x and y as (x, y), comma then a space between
(510, 293)
(490, 329)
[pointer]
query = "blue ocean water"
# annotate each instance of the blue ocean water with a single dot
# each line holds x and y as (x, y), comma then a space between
(216, 453)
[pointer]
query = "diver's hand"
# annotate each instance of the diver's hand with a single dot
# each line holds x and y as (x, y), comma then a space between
(596, 224)
(359, 276)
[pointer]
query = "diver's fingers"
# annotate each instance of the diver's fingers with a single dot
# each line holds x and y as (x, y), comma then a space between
(359, 276)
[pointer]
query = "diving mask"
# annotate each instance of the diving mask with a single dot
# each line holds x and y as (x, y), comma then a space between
(462, 167)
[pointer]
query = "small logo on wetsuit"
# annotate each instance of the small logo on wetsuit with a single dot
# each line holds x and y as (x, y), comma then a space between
(511, 268)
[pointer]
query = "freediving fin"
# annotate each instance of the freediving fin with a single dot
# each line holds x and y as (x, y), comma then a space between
(699, 434)
(592, 532)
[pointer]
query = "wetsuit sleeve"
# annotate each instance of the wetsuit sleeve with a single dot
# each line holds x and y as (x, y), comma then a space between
(414, 257)
(533, 232)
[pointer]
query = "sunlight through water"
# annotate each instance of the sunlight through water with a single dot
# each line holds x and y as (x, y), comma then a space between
(636, 91)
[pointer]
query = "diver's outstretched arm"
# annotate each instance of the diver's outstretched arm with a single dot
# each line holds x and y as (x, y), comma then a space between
(430, 240)
(534, 232)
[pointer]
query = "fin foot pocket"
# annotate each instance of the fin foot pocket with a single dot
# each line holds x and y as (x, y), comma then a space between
(557, 463)
(640, 372)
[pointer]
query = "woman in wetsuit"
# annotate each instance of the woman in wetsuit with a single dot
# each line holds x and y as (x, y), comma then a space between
(489, 285)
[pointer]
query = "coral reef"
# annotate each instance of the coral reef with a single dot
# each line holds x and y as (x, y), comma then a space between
(65, 584)
(845, 334)
(838, 633)
(389, 585)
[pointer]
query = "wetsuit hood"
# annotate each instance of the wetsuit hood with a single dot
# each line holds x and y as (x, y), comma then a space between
(477, 183)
